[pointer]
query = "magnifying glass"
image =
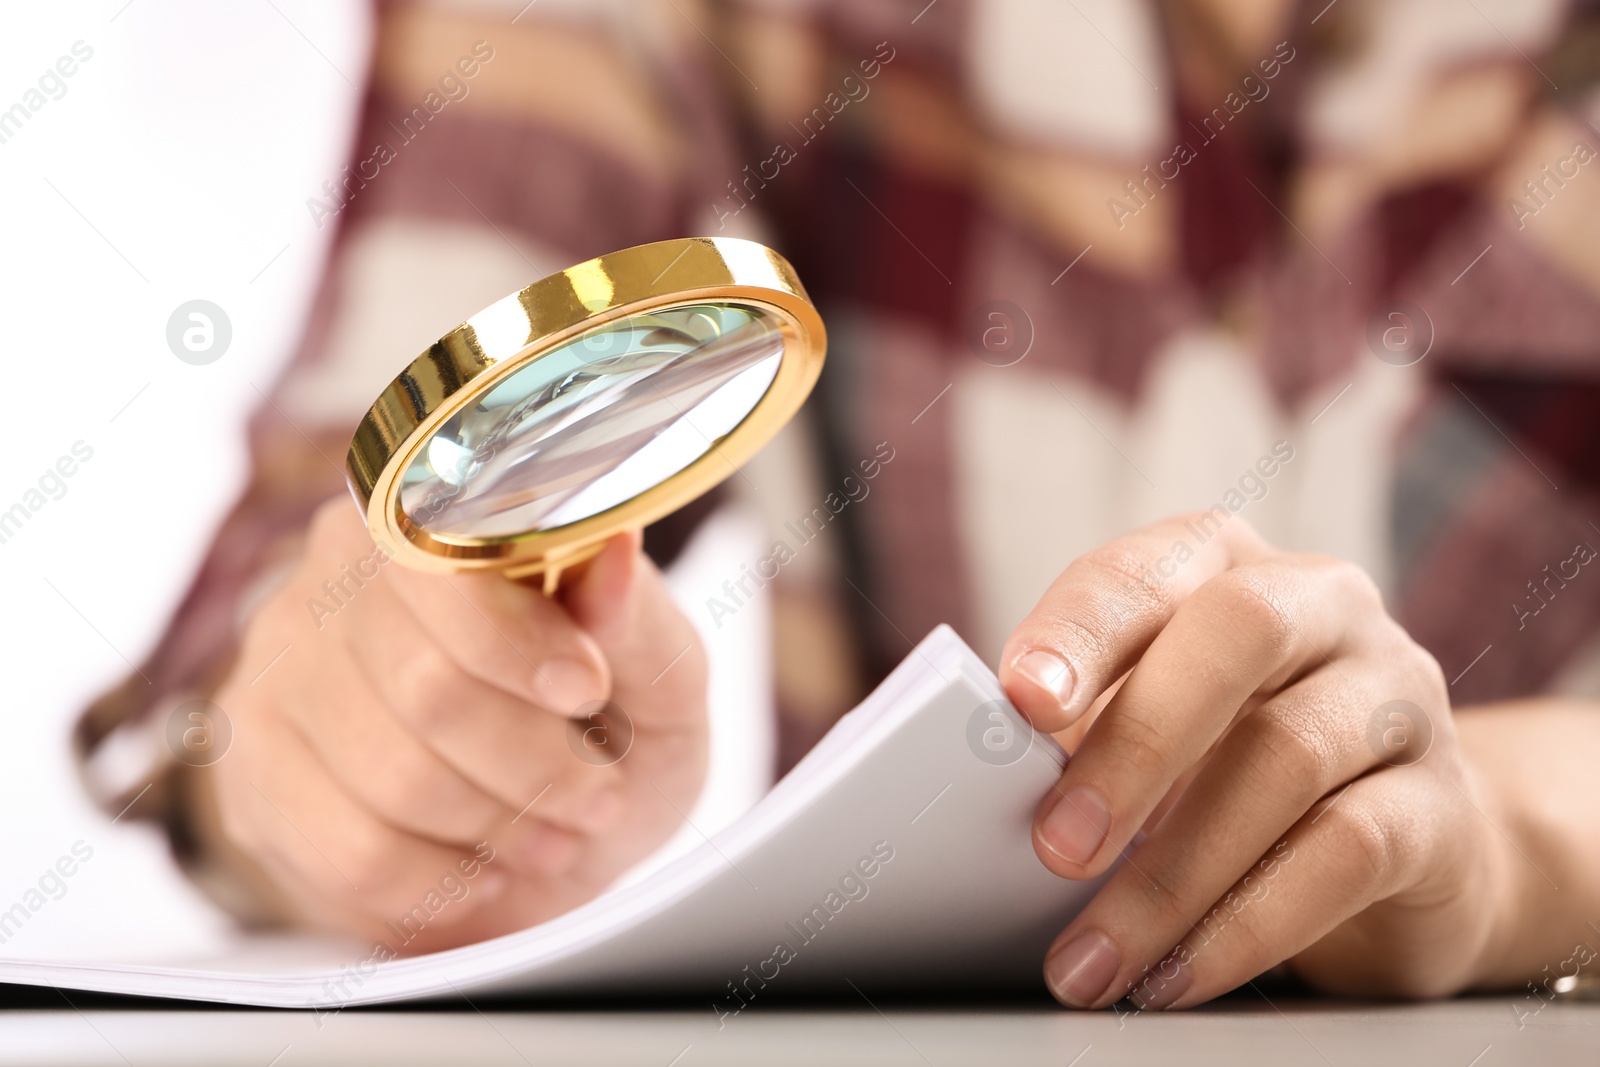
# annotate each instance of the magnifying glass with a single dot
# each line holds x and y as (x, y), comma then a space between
(595, 400)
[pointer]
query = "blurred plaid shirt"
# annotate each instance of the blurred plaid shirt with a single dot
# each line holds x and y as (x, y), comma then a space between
(1081, 264)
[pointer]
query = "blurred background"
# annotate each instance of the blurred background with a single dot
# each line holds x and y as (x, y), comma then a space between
(1328, 267)
(172, 167)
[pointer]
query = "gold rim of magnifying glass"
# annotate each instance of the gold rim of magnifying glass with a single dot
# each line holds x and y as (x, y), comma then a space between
(514, 332)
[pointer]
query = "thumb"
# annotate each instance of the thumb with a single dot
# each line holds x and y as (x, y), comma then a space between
(603, 596)
(622, 601)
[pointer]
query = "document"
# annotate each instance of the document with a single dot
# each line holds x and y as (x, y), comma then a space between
(897, 856)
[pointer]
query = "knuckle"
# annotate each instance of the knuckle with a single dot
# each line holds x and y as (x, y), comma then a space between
(1180, 523)
(1411, 670)
(1127, 569)
(367, 859)
(1124, 587)
(1288, 751)
(1234, 530)
(1352, 582)
(1136, 744)
(1246, 939)
(407, 788)
(1249, 601)
(1361, 839)
(1165, 905)
(1246, 530)
(484, 659)
(429, 685)
(1348, 584)
(1428, 672)
(281, 618)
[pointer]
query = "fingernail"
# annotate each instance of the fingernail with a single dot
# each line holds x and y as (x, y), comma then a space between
(1075, 828)
(1163, 984)
(565, 684)
(1080, 972)
(1049, 672)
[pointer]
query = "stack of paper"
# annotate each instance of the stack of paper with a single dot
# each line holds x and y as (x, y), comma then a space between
(896, 855)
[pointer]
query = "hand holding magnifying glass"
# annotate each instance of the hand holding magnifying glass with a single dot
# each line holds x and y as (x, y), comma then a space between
(443, 714)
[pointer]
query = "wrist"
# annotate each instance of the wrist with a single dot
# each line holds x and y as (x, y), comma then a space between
(213, 862)
(1507, 897)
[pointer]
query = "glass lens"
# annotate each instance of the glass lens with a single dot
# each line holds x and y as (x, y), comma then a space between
(595, 422)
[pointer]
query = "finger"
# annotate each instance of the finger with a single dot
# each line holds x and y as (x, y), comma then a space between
(519, 754)
(388, 770)
(503, 633)
(1272, 767)
(510, 636)
(657, 659)
(1353, 851)
(1250, 629)
(382, 764)
(659, 684)
(601, 594)
(1098, 617)
(323, 847)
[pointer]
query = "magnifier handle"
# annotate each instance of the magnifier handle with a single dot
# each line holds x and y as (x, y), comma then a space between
(545, 574)
(547, 581)
(550, 581)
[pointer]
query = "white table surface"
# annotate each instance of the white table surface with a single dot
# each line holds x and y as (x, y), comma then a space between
(1245, 1029)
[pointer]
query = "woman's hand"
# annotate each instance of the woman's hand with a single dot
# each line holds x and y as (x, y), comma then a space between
(422, 760)
(1277, 762)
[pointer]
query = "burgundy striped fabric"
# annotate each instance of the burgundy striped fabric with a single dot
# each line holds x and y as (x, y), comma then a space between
(597, 127)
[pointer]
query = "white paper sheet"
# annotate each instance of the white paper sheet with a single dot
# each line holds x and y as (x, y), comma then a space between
(894, 855)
